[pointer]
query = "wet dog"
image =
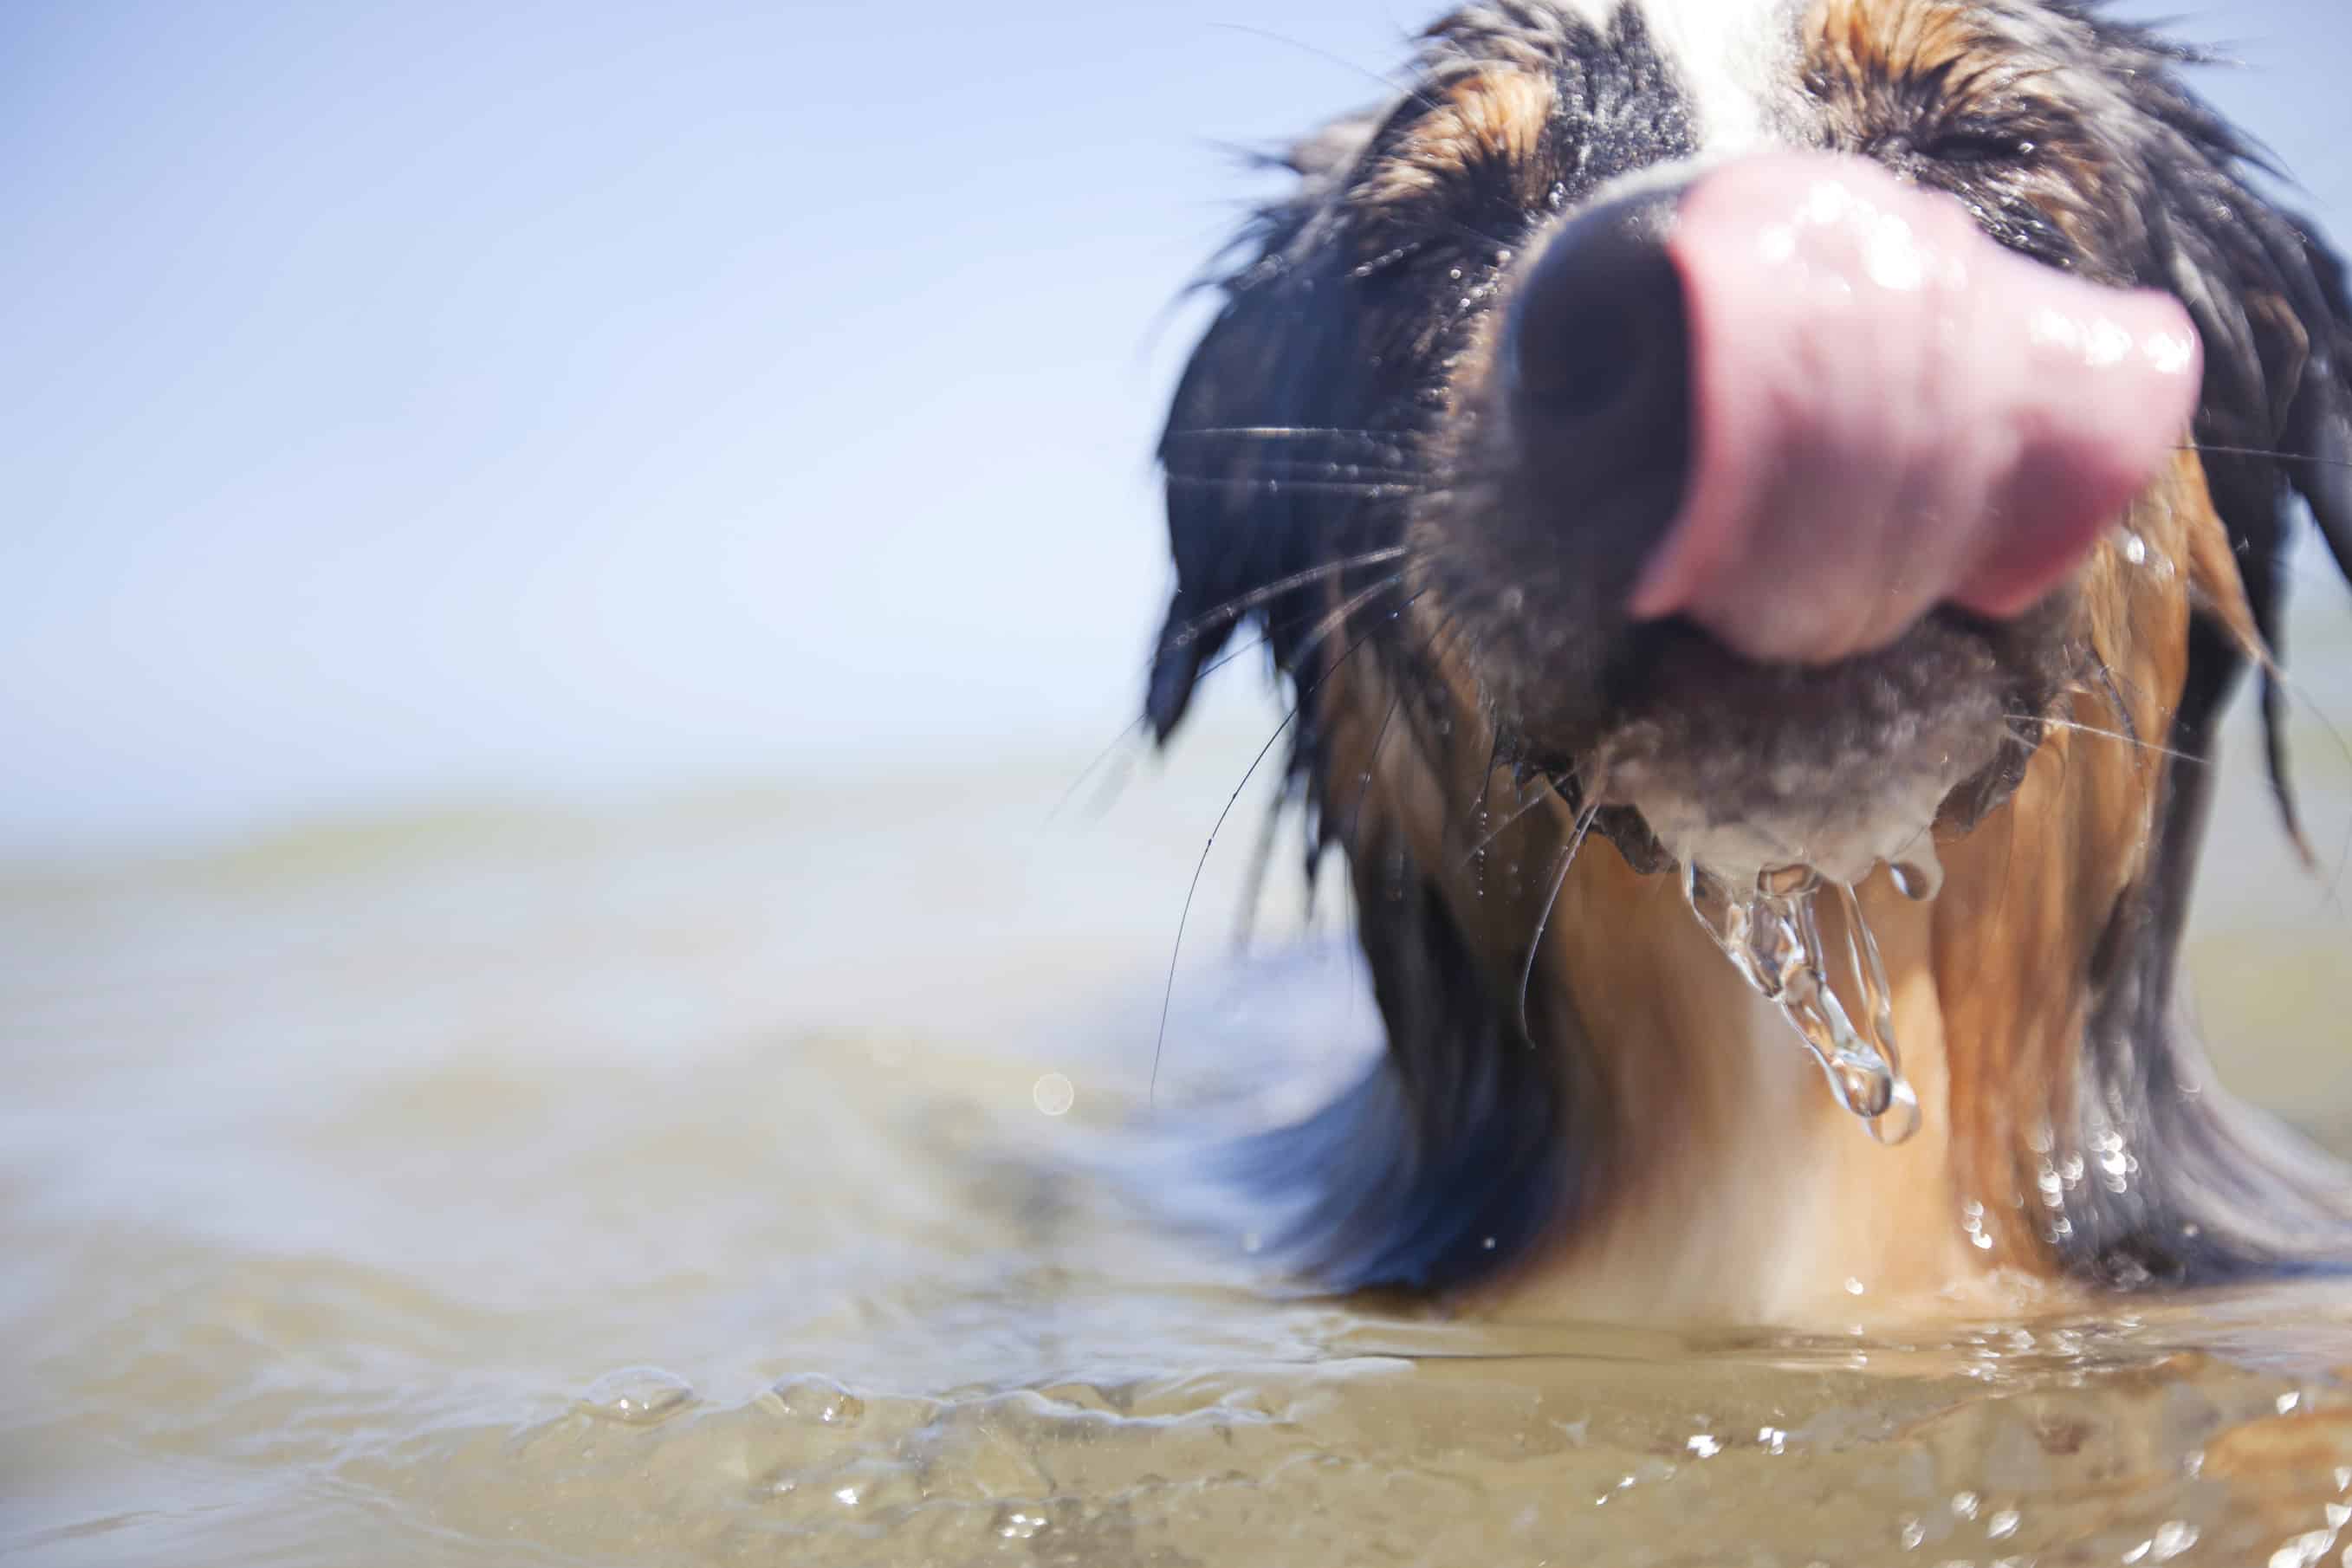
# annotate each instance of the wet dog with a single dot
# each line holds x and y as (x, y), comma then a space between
(1760, 505)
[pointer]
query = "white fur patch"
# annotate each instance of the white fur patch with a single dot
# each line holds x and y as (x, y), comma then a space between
(1732, 57)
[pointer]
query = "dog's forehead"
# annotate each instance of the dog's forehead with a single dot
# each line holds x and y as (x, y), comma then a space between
(1742, 67)
(1733, 59)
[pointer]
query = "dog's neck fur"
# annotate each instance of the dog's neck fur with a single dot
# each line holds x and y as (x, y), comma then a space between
(1714, 1176)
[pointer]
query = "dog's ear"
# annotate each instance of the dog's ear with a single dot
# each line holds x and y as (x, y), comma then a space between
(2269, 298)
(2274, 428)
(2275, 420)
(2275, 423)
(2318, 429)
(1248, 435)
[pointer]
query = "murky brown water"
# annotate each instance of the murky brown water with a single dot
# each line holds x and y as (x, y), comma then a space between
(672, 1185)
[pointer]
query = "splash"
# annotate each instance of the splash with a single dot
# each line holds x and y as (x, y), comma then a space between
(1772, 934)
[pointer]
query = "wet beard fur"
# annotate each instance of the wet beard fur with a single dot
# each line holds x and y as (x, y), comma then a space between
(1586, 1112)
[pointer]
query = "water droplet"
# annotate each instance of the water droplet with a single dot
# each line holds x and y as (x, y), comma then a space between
(1919, 875)
(1015, 1524)
(1054, 1094)
(638, 1396)
(1773, 937)
(2303, 1551)
(2001, 1525)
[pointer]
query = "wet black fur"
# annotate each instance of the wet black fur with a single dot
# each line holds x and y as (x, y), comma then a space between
(1468, 1144)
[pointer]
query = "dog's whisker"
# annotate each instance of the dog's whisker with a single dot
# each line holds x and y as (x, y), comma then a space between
(2265, 453)
(1339, 618)
(1176, 948)
(2131, 741)
(1408, 91)
(1254, 888)
(1301, 471)
(1260, 463)
(1369, 488)
(1530, 799)
(1364, 778)
(1560, 879)
(1388, 441)
(2113, 692)
(1133, 730)
(1241, 604)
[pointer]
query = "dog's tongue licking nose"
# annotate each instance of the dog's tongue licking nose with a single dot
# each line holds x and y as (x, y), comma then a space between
(1892, 411)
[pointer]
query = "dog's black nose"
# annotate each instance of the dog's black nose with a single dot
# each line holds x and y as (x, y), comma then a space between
(1596, 366)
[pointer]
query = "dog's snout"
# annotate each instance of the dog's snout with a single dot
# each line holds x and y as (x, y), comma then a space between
(1804, 401)
(1597, 368)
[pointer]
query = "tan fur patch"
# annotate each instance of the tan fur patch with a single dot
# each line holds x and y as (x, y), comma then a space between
(1735, 1189)
(1896, 39)
(1900, 73)
(1492, 118)
(2029, 895)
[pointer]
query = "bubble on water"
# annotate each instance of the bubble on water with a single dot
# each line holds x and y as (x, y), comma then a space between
(1017, 1523)
(1772, 935)
(638, 1396)
(813, 1402)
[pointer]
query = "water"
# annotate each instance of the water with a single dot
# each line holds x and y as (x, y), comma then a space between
(699, 1184)
(1772, 934)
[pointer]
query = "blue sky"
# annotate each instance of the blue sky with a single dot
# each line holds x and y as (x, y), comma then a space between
(410, 404)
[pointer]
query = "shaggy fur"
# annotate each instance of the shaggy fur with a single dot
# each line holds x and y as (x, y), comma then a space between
(1327, 483)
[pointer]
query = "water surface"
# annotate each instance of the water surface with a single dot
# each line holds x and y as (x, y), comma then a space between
(678, 1183)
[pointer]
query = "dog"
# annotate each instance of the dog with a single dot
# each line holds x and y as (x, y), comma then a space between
(1759, 506)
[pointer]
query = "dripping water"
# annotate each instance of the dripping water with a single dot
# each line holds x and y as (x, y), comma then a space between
(1772, 934)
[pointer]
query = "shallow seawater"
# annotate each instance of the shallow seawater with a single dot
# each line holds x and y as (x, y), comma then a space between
(705, 1182)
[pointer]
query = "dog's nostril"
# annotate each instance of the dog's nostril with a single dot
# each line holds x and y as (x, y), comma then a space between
(1576, 364)
(1596, 361)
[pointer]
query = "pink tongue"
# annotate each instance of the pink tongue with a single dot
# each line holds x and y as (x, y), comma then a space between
(1893, 411)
